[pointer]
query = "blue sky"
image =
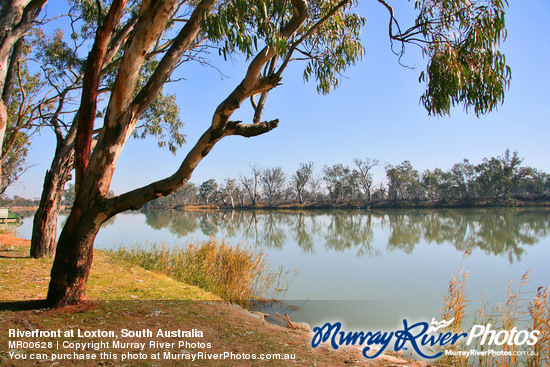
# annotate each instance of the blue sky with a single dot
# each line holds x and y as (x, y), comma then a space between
(375, 113)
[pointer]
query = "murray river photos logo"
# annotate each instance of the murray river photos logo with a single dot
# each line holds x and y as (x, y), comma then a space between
(419, 336)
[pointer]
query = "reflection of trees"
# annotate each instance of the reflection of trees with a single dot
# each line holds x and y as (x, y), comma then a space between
(347, 230)
(405, 231)
(209, 223)
(273, 233)
(177, 222)
(229, 221)
(264, 229)
(494, 231)
(250, 227)
(303, 233)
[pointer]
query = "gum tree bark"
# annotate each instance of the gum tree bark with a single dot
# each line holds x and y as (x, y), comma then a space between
(44, 230)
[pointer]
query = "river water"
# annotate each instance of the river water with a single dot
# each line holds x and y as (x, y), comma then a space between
(367, 269)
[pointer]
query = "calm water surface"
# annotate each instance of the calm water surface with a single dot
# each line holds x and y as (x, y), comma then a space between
(368, 269)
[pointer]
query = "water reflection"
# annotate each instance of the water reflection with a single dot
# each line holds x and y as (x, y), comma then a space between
(503, 232)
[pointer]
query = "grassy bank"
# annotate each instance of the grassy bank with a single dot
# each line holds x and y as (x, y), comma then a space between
(126, 295)
(234, 274)
(129, 296)
(23, 278)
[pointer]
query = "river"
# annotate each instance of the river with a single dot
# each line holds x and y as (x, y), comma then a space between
(367, 269)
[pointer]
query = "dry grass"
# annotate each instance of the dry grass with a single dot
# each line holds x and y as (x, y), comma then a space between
(516, 312)
(455, 309)
(539, 312)
(8, 229)
(232, 273)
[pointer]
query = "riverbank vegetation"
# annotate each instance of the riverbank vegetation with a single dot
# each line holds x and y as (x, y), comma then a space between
(519, 311)
(232, 273)
(496, 181)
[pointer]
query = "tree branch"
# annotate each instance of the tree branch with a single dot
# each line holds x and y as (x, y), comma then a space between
(250, 130)
(14, 59)
(252, 84)
(180, 45)
(309, 33)
(92, 75)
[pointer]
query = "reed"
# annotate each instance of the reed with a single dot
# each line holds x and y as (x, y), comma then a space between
(516, 312)
(539, 312)
(233, 273)
(455, 308)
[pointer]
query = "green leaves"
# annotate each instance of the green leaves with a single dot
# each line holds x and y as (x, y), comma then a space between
(245, 26)
(461, 38)
(55, 55)
(328, 45)
(162, 120)
(333, 46)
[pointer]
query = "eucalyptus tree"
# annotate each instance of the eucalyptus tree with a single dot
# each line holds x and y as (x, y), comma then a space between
(240, 193)
(314, 187)
(341, 181)
(185, 195)
(227, 191)
(63, 69)
(21, 113)
(23, 116)
(499, 177)
(252, 184)
(460, 181)
(273, 182)
(207, 189)
(13, 161)
(32, 102)
(403, 181)
(364, 175)
(533, 182)
(458, 37)
(16, 18)
(301, 178)
(431, 183)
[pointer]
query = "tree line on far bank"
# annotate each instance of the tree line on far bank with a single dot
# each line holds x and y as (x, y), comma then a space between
(496, 180)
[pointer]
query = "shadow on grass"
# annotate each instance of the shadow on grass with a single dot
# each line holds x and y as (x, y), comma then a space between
(24, 305)
(6, 254)
(42, 304)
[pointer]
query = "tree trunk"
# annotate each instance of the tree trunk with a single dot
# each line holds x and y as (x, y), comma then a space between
(73, 258)
(44, 230)
(3, 126)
